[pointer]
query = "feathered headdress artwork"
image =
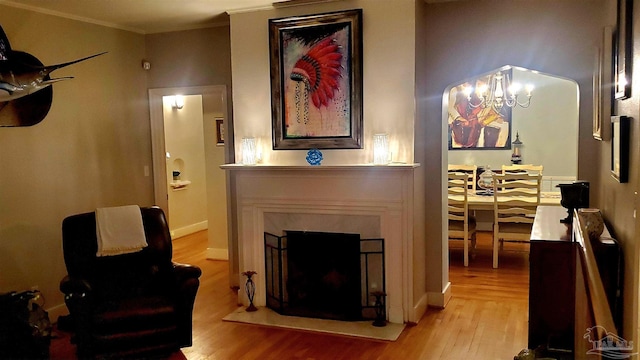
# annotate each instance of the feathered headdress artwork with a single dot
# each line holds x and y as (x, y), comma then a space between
(317, 76)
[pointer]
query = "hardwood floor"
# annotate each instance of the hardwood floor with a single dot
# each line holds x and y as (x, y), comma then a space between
(485, 319)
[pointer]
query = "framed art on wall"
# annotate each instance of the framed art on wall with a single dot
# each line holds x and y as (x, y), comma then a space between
(474, 125)
(219, 131)
(597, 95)
(603, 85)
(620, 148)
(623, 47)
(316, 81)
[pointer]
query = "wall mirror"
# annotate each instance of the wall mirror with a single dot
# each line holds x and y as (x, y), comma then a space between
(620, 148)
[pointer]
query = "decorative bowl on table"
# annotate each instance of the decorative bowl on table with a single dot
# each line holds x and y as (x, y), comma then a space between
(593, 222)
(485, 182)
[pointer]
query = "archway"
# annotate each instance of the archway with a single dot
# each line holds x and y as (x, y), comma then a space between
(548, 129)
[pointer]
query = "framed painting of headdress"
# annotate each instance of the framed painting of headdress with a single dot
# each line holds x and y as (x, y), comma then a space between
(316, 81)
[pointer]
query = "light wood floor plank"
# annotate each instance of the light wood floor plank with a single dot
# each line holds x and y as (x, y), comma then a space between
(485, 319)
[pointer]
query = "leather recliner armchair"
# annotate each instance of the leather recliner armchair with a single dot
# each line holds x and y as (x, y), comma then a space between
(128, 305)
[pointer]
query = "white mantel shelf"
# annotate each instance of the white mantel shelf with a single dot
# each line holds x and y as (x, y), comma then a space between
(319, 167)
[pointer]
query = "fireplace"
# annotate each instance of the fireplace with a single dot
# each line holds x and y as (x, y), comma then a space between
(323, 274)
(373, 201)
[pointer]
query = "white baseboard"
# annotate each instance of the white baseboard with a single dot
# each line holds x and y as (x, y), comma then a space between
(419, 309)
(217, 254)
(189, 229)
(440, 299)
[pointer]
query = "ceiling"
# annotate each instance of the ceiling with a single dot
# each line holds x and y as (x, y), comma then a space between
(145, 16)
(154, 16)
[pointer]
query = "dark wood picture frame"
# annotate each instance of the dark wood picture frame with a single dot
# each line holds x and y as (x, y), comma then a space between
(623, 50)
(316, 81)
(620, 127)
(603, 98)
(597, 96)
(219, 132)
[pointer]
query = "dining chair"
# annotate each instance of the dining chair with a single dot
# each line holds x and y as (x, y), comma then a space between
(528, 168)
(516, 197)
(470, 170)
(461, 224)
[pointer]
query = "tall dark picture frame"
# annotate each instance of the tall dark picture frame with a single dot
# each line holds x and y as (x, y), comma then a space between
(316, 81)
(623, 47)
(603, 86)
(620, 127)
(220, 131)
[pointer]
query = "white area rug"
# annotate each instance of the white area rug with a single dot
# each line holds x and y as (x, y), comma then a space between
(267, 317)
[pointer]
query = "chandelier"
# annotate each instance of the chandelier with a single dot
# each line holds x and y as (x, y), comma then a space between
(493, 94)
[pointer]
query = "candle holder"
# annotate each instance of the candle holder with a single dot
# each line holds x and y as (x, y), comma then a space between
(380, 149)
(381, 317)
(249, 151)
(250, 289)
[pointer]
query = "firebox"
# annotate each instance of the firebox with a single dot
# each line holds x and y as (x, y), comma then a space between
(323, 275)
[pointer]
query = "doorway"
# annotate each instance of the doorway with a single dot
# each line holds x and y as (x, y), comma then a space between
(547, 129)
(211, 102)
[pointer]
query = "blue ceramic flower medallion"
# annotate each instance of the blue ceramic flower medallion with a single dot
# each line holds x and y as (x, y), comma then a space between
(314, 157)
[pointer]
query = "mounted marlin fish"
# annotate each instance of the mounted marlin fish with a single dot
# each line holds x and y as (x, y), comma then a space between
(25, 85)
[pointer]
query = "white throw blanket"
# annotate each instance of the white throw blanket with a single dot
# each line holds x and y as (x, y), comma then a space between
(119, 230)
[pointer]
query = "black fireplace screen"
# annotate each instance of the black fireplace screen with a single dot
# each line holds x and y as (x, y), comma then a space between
(323, 275)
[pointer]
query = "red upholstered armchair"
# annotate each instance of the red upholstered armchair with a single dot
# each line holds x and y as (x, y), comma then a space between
(128, 305)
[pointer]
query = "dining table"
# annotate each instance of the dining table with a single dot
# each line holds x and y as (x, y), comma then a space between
(484, 201)
(480, 202)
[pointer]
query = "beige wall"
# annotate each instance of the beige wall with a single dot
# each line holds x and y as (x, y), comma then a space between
(559, 40)
(421, 258)
(90, 151)
(193, 58)
(620, 201)
(388, 77)
(201, 58)
(92, 148)
(213, 107)
(189, 58)
(388, 91)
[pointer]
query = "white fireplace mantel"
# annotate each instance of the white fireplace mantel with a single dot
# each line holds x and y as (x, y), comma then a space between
(318, 193)
(354, 167)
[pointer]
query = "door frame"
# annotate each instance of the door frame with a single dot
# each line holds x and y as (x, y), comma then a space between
(157, 134)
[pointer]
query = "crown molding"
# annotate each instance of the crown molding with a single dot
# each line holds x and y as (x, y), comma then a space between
(69, 16)
(290, 3)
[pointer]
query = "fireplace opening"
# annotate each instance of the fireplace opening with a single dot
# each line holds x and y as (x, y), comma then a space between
(323, 275)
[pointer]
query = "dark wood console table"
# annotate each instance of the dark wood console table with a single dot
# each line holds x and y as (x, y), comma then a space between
(574, 285)
(552, 261)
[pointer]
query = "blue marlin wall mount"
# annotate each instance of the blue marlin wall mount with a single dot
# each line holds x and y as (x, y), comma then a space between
(25, 85)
